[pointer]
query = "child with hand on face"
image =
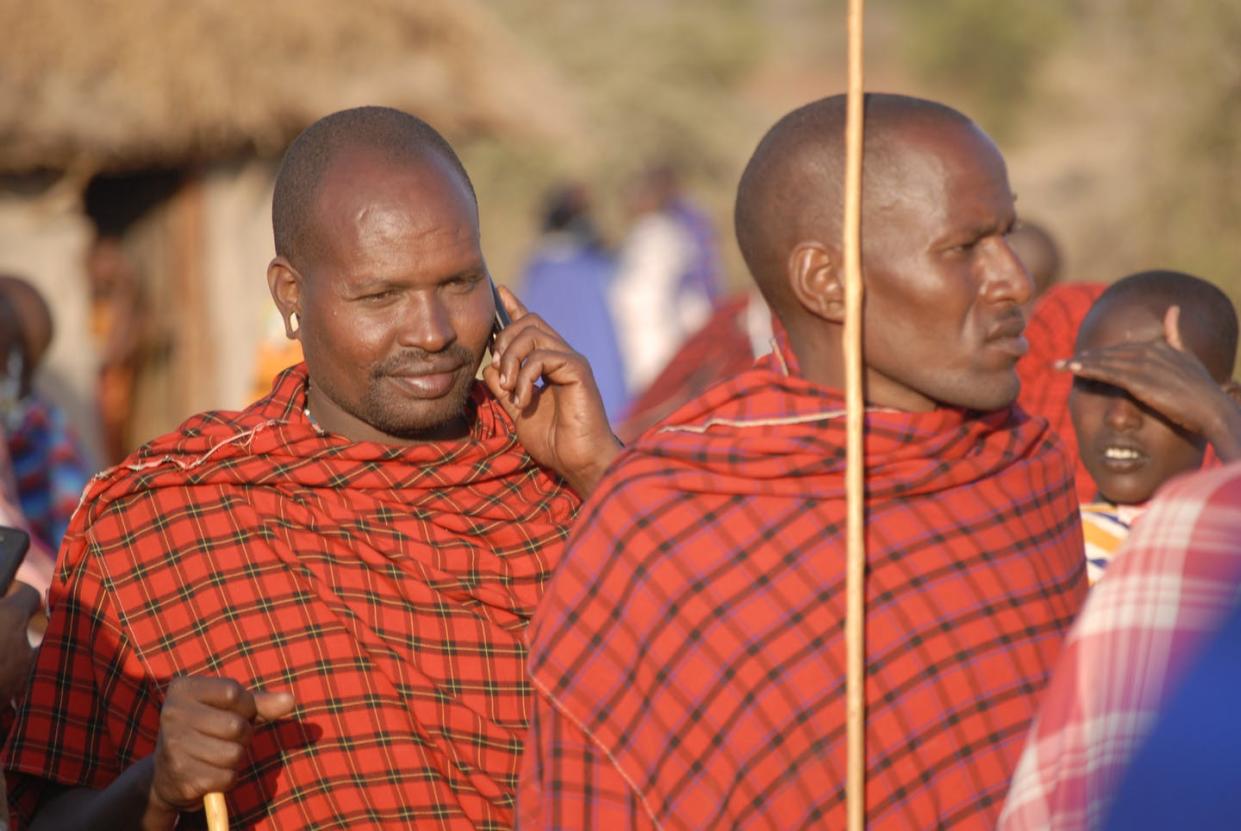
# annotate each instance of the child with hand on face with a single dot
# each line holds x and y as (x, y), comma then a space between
(1152, 388)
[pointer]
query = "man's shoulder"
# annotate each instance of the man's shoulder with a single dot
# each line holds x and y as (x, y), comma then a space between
(171, 457)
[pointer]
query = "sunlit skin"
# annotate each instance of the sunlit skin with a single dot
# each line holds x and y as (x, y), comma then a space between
(943, 317)
(395, 305)
(1143, 406)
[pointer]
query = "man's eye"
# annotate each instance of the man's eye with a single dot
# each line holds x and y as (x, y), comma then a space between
(464, 282)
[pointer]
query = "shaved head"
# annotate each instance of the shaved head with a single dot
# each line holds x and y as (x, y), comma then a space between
(942, 317)
(394, 136)
(793, 187)
(1208, 321)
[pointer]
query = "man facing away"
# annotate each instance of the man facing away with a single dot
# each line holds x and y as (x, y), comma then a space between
(689, 655)
(317, 605)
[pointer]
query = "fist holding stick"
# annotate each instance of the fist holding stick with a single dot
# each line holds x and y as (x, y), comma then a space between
(204, 731)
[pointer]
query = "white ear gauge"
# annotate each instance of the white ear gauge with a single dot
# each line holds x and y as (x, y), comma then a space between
(295, 323)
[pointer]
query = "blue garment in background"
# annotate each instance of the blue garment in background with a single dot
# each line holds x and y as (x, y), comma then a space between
(566, 283)
(50, 468)
(705, 273)
(1188, 772)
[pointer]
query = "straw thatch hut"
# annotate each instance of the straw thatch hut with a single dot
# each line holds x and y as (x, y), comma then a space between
(160, 122)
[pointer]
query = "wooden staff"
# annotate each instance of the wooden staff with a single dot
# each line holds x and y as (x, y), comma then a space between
(855, 481)
(216, 811)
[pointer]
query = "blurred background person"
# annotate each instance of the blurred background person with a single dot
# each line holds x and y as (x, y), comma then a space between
(567, 281)
(117, 316)
(49, 465)
(1053, 317)
(668, 276)
(738, 331)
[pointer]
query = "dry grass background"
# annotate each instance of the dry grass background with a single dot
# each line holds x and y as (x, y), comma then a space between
(1121, 119)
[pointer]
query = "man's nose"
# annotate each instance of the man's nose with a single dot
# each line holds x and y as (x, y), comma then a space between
(426, 323)
(1006, 279)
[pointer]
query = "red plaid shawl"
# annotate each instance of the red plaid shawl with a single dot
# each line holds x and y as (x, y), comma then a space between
(388, 588)
(1051, 332)
(689, 655)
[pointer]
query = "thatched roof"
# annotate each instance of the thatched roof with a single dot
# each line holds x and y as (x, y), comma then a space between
(108, 84)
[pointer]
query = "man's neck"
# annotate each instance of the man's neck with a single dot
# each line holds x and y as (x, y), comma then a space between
(822, 362)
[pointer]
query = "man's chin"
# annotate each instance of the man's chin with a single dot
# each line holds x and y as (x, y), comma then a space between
(995, 392)
(427, 420)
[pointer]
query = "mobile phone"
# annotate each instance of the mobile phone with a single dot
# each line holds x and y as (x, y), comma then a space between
(502, 318)
(13, 545)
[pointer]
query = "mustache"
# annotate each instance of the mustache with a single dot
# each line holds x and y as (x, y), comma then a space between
(421, 362)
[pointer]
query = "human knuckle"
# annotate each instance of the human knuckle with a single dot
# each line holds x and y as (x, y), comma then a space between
(236, 727)
(230, 754)
(230, 693)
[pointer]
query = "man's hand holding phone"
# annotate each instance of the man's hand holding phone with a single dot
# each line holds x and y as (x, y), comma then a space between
(562, 423)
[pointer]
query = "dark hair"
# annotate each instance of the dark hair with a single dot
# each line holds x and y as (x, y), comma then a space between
(1208, 318)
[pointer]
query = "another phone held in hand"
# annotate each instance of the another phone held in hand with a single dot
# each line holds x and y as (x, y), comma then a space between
(14, 543)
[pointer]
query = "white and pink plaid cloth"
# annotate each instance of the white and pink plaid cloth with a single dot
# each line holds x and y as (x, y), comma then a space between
(1145, 622)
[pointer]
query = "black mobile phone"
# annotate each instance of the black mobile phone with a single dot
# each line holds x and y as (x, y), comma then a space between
(13, 545)
(502, 318)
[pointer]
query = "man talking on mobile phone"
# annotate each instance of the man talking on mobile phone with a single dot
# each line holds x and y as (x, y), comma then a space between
(317, 605)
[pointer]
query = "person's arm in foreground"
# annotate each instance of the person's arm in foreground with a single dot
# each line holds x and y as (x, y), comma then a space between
(1169, 379)
(205, 727)
(562, 424)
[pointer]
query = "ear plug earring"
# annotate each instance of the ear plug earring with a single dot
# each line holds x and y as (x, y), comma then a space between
(295, 323)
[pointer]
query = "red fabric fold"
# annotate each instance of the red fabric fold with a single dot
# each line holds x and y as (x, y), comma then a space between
(694, 631)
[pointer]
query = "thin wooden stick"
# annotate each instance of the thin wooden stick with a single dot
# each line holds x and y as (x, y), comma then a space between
(855, 482)
(216, 811)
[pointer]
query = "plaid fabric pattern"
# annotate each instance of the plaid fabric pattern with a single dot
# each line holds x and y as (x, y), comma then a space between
(387, 588)
(1164, 594)
(1051, 332)
(689, 655)
(50, 468)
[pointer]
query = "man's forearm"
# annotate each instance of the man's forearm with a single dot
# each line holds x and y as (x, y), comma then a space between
(122, 806)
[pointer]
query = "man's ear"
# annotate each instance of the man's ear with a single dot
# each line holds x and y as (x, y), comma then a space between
(285, 283)
(1232, 389)
(816, 278)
